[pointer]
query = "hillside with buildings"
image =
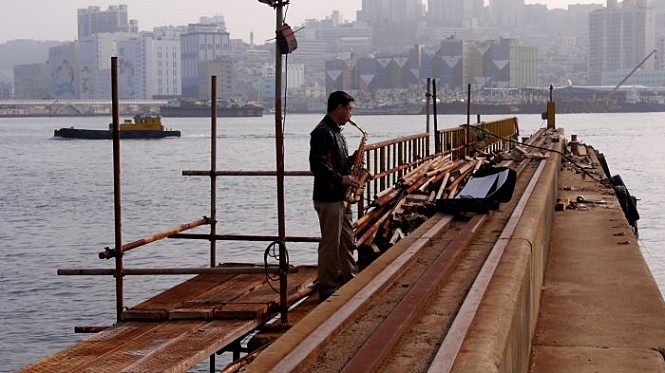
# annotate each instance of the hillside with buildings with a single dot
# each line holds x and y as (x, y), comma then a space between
(505, 45)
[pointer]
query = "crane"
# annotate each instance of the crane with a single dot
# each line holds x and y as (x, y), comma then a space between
(613, 91)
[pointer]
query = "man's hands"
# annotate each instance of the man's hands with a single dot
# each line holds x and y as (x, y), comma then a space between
(349, 180)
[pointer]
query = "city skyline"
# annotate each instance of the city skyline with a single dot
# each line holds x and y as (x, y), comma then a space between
(47, 20)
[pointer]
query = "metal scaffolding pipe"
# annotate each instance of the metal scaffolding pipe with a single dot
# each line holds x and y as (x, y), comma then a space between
(165, 271)
(243, 237)
(244, 173)
(213, 169)
(108, 253)
(117, 206)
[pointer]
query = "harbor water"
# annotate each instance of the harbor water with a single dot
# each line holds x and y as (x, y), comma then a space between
(56, 206)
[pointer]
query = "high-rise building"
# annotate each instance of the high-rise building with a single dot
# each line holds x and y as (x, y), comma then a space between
(396, 24)
(620, 37)
(31, 81)
(149, 66)
(93, 20)
(455, 13)
(201, 43)
(506, 13)
(95, 65)
(390, 11)
(64, 71)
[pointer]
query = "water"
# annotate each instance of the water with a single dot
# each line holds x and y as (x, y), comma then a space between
(56, 207)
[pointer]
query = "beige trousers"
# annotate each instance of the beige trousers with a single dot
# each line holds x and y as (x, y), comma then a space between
(335, 255)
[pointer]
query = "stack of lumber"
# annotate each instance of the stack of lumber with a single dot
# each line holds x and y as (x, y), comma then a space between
(401, 208)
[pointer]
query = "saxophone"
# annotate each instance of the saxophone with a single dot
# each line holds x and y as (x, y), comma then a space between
(359, 172)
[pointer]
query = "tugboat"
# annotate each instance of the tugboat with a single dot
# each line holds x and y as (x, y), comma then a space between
(142, 127)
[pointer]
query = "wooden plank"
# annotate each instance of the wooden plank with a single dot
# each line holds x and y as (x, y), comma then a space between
(255, 305)
(235, 288)
(130, 352)
(134, 314)
(193, 347)
(177, 295)
(197, 313)
(171, 346)
(87, 350)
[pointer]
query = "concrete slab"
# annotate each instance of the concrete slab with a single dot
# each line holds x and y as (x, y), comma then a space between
(601, 310)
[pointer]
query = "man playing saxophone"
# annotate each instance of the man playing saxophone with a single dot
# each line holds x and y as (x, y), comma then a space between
(331, 165)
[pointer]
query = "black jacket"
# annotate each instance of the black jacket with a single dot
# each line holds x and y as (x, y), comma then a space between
(329, 161)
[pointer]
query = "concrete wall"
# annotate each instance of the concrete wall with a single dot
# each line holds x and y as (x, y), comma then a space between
(499, 339)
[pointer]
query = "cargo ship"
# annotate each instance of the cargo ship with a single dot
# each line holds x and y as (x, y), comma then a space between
(185, 108)
(141, 127)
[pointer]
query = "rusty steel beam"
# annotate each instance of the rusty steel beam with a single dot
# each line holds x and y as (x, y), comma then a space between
(452, 343)
(296, 358)
(385, 337)
(89, 328)
(110, 253)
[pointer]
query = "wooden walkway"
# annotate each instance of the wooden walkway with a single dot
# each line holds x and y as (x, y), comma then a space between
(180, 327)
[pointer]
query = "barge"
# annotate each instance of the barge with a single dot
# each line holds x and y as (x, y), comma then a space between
(141, 127)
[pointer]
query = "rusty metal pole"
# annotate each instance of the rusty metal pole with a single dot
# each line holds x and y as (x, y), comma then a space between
(117, 207)
(213, 169)
(437, 146)
(279, 152)
(468, 120)
(213, 185)
(428, 97)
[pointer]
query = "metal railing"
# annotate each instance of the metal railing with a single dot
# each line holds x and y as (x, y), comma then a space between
(491, 136)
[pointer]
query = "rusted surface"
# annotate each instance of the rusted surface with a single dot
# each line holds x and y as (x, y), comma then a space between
(189, 336)
(447, 352)
(384, 338)
(86, 351)
(354, 299)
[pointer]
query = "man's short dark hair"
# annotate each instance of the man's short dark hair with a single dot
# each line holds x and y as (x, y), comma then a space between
(338, 98)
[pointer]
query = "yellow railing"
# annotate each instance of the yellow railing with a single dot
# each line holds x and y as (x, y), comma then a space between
(486, 136)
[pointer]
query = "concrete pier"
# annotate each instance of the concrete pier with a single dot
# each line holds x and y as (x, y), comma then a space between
(565, 289)
(571, 291)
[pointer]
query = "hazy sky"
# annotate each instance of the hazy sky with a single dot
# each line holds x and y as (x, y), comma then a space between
(56, 19)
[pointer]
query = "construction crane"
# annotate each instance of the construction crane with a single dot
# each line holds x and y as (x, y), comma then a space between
(613, 91)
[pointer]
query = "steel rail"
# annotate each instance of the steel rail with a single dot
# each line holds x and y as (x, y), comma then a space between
(297, 357)
(452, 343)
(370, 356)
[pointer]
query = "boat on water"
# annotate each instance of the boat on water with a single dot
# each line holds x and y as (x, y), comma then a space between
(140, 127)
(186, 108)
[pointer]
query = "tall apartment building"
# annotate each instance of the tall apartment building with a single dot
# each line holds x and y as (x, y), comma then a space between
(375, 12)
(506, 13)
(95, 66)
(149, 66)
(396, 24)
(31, 81)
(620, 37)
(201, 43)
(64, 79)
(455, 13)
(94, 20)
